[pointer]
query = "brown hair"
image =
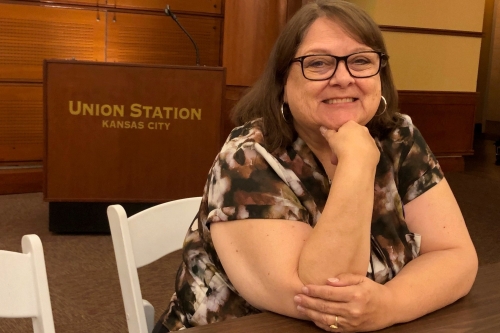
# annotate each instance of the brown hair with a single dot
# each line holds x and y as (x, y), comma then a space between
(265, 98)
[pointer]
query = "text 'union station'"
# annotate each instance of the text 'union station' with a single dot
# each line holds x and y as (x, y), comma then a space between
(135, 111)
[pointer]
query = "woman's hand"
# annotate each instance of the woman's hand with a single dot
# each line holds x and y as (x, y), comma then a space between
(359, 304)
(351, 141)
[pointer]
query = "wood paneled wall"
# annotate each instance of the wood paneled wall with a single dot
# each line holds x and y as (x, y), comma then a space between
(245, 54)
(21, 130)
(133, 31)
(156, 39)
(446, 121)
(31, 34)
(205, 6)
(250, 30)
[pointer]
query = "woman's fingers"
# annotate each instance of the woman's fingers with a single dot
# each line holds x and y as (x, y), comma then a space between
(324, 320)
(358, 302)
(353, 141)
(328, 135)
(345, 279)
(317, 307)
(330, 293)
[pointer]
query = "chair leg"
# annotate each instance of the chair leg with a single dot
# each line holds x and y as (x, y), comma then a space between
(149, 311)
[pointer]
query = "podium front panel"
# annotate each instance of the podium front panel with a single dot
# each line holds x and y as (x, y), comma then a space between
(129, 132)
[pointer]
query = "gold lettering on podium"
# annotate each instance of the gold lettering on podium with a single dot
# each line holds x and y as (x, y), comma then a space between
(105, 110)
(158, 126)
(122, 124)
(72, 111)
(196, 113)
(88, 108)
(166, 112)
(79, 108)
(184, 113)
(136, 110)
(96, 109)
(157, 112)
(147, 108)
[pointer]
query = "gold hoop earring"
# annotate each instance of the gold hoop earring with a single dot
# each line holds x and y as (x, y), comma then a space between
(385, 105)
(282, 112)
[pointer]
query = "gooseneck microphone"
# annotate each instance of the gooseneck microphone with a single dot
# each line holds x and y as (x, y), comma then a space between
(172, 15)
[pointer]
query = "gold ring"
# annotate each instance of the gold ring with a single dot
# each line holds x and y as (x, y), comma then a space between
(336, 325)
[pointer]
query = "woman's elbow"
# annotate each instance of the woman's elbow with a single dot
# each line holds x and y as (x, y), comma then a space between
(471, 264)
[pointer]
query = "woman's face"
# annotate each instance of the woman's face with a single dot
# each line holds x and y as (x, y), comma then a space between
(330, 103)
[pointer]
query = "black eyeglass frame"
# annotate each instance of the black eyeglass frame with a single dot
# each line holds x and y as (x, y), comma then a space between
(382, 63)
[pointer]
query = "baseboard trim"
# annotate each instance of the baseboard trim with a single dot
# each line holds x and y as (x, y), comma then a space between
(451, 163)
(15, 181)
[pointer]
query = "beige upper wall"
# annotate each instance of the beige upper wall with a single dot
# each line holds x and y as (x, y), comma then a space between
(431, 62)
(465, 15)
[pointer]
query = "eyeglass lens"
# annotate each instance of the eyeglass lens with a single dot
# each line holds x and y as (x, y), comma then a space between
(364, 64)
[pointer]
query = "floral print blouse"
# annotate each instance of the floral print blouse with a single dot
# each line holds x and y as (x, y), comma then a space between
(248, 182)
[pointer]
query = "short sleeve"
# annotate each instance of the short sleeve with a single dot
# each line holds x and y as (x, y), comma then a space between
(242, 184)
(419, 169)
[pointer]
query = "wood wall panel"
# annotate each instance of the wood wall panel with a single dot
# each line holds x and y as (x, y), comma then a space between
(233, 95)
(69, 2)
(445, 119)
(246, 54)
(21, 123)
(205, 6)
(155, 39)
(30, 34)
(451, 163)
(292, 7)
(250, 30)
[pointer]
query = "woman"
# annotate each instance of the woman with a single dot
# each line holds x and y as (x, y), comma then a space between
(325, 204)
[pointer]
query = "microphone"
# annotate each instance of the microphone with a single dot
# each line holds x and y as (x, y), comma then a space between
(172, 15)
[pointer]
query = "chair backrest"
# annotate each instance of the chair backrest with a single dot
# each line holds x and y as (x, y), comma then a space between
(141, 239)
(24, 290)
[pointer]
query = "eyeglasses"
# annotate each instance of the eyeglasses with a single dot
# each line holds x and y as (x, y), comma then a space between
(319, 67)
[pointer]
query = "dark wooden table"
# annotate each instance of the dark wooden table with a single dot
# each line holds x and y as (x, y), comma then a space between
(477, 312)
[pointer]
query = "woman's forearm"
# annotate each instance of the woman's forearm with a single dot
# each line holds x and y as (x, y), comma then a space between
(340, 241)
(432, 281)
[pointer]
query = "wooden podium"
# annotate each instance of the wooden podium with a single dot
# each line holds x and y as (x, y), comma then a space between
(127, 133)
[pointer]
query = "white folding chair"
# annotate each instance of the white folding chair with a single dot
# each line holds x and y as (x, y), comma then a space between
(141, 239)
(24, 290)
